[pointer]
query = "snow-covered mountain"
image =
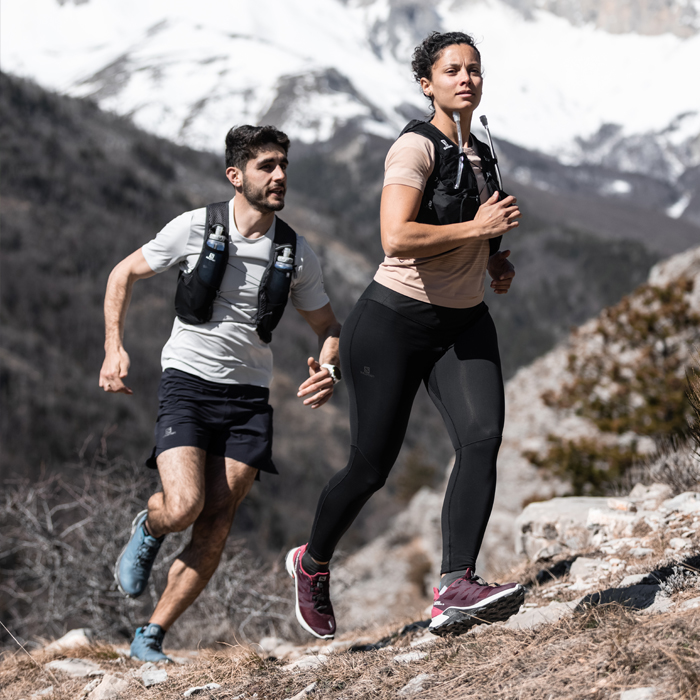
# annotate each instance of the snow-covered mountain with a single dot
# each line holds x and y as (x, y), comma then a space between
(587, 81)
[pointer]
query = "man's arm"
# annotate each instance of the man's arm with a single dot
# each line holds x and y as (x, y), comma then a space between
(117, 297)
(318, 388)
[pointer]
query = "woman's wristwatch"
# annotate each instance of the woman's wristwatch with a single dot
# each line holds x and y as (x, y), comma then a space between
(334, 372)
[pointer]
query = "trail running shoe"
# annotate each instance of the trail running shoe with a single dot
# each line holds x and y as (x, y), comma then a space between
(148, 644)
(313, 602)
(471, 601)
(134, 564)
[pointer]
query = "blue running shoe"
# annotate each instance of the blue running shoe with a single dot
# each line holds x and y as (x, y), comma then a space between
(134, 565)
(148, 644)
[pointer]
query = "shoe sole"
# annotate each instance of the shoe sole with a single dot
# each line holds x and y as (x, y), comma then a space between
(134, 525)
(289, 565)
(456, 621)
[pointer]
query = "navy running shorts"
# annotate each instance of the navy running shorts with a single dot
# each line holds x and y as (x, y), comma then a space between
(228, 420)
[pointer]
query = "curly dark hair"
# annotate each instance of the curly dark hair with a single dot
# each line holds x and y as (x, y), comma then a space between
(245, 142)
(428, 52)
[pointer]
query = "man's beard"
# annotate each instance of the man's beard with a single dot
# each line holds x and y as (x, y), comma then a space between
(257, 199)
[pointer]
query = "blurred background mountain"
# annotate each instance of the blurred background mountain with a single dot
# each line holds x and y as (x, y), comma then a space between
(597, 129)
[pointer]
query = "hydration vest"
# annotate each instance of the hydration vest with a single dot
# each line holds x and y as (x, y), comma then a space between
(197, 289)
(446, 201)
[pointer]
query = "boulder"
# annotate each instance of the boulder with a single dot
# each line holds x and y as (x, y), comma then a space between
(81, 637)
(552, 527)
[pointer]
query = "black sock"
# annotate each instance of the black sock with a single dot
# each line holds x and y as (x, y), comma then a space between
(450, 578)
(310, 566)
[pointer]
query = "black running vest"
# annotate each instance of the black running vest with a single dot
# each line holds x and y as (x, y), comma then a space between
(446, 201)
(197, 289)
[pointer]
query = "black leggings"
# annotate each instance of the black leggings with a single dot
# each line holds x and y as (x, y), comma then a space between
(389, 345)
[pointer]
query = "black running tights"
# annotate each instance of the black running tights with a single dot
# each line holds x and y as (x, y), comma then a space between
(388, 346)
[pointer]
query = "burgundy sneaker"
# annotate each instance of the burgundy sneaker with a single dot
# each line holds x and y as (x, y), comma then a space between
(313, 602)
(471, 601)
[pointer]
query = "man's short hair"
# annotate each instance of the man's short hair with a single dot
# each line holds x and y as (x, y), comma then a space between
(245, 142)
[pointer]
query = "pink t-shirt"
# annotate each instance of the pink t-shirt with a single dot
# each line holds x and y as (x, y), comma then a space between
(454, 278)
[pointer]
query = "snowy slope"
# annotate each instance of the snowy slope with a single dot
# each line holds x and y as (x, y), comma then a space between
(188, 71)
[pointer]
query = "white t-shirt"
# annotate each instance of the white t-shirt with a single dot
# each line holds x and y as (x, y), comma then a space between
(227, 348)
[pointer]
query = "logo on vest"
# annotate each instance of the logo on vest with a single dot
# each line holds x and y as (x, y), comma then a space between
(445, 145)
(211, 257)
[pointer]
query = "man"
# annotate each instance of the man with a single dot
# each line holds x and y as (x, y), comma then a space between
(214, 428)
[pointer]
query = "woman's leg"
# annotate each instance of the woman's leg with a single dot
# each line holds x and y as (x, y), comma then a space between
(467, 387)
(383, 362)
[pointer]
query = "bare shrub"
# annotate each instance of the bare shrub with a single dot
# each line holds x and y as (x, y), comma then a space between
(61, 537)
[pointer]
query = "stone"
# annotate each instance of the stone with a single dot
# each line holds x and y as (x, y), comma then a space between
(585, 567)
(45, 691)
(91, 686)
(152, 675)
(650, 497)
(309, 690)
(78, 668)
(409, 657)
(662, 603)
(112, 687)
(647, 693)
(547, 528)
(199, 689)
(632, 580)
(415, 685)
(690, 604)
(679, 543)
(269, 644)
(531, 618)
(427, 638)
(616, 523)
(309, 661)
(688, 502)
(81, 637)
(640, 552)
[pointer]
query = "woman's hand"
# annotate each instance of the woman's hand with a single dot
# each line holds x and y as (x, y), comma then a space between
(495, 218)
(502, 272)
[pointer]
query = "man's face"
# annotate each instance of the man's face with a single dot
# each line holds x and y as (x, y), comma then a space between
(263, 182)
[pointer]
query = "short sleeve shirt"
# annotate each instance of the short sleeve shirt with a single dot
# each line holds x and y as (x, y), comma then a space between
(454, 278)
(227, 349)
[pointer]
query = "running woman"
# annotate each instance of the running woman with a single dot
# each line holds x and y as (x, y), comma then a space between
(423, 320)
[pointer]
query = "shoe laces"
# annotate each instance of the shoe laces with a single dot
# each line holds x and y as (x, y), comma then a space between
(320, 594)
(144, 554)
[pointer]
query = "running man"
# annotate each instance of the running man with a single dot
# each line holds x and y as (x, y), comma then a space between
(214, 428)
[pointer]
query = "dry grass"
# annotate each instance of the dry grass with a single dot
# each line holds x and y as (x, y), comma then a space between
(593, 655)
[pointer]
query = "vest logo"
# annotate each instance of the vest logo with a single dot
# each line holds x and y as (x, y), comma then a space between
(169, 431)
(445, 145)
(211, 257)
(366, 372)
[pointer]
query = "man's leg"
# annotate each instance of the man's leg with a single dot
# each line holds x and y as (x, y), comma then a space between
(172, 510)
(226, 483)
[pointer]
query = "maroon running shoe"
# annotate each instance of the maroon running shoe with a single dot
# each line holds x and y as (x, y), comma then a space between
(313, 601)
(471, 601)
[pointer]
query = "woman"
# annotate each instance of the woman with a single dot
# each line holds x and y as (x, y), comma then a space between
(423, 319)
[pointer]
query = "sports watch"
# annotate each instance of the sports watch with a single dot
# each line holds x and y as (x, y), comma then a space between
(334, 372)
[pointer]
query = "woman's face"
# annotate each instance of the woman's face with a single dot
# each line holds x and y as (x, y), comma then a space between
(456, 81)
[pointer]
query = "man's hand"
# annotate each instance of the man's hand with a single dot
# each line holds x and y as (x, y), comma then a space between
(319, 383)
(114, 369)
(501, 271)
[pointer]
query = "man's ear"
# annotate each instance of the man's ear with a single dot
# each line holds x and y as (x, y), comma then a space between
(235, 177)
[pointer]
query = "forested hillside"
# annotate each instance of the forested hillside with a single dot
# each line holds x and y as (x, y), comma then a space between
(80, 189)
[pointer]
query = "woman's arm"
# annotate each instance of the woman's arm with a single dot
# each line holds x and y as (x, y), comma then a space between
(404, 237)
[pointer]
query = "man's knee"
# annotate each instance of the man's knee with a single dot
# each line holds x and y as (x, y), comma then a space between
(182, 511)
